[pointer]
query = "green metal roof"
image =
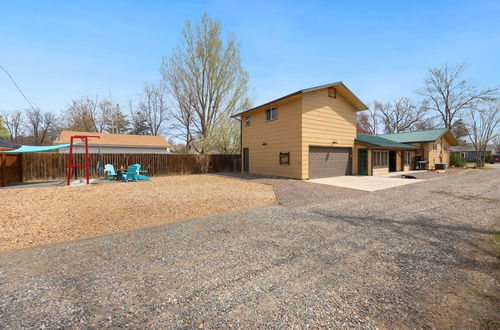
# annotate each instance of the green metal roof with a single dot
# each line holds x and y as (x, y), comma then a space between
(420, 136)
(381, 142)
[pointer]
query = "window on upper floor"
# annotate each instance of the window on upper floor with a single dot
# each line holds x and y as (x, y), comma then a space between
(247, 120)
(272, 113)
(434, 147)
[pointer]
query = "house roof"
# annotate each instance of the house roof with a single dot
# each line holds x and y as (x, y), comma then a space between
(5, 144)
(107, 139)
(421, 136)
(339, 86)
(382, 142)
(469, 147)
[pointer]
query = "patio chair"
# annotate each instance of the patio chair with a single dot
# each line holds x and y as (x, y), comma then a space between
(133, 174)
(110, 172)
(139, 171)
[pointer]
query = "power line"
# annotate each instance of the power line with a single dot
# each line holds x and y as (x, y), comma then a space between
(18, 88)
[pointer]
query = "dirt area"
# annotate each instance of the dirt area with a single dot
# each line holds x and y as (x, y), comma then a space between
(434, 175)
(38, 216)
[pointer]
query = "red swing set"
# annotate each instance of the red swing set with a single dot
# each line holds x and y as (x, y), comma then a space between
(70, 157)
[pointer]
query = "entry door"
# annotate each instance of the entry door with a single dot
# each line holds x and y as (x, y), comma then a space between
(246, 160)
(362, 161)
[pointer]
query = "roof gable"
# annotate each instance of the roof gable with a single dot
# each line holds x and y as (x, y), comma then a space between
(116, 139)
(339, 86)
(421, 136)
(381, 142)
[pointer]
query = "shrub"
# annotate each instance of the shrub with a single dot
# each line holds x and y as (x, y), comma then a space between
(201, 163)
(456, 160)
(487, 158)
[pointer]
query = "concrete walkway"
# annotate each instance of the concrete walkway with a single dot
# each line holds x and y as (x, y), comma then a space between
(365, 183)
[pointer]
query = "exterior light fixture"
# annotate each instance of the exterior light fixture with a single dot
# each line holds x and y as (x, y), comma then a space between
(264, 143)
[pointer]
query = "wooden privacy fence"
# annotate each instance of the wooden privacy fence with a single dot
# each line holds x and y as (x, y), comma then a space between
(47, 166)
(11, 169)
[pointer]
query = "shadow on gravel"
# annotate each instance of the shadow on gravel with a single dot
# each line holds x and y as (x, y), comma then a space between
(446, 244)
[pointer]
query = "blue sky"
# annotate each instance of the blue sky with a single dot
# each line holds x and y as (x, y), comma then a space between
(58, 50)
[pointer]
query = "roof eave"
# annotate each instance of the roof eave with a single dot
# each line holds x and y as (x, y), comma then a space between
(360, 106)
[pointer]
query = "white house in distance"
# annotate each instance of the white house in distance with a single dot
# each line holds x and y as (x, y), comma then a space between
(116, 143)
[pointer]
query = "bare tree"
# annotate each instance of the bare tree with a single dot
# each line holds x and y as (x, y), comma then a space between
(448, 94)
(482, 124)
(400, 115)
(205, 78)
(95, 114)
(368, 120)
(14, 123)
(80, 114)
(4, 134)
(39, 126)
(153, 107)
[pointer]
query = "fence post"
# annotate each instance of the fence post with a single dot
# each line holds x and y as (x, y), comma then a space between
(3, 170)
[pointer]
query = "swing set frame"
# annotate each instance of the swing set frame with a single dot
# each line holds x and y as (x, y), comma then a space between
(70, 157)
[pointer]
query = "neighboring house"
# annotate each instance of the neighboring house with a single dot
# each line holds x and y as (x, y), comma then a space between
(312, 133)
(7, 145)
(468, 152)
(117, 143)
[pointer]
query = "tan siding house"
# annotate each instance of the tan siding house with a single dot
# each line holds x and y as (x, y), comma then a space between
(312, 133)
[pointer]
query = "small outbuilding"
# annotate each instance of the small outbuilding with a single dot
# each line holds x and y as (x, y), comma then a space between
(117, 143)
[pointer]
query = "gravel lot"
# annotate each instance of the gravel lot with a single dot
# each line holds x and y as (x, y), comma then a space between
(416, 256)
(37, 216)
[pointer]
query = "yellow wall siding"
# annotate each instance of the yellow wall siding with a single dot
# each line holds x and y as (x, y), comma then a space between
(399, 163)
(324, 120)
(281, 135)
(435, 157)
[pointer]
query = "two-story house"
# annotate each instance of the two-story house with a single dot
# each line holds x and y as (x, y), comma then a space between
(312, 133)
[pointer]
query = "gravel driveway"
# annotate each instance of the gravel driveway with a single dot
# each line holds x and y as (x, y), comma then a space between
(414, 256)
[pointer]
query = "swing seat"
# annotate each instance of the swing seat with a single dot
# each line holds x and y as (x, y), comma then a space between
(110, 172)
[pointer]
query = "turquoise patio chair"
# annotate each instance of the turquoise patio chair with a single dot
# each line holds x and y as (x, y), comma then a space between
(110, 172)
(133, 173)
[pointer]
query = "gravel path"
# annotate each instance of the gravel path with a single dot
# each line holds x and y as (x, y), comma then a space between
(409, 257)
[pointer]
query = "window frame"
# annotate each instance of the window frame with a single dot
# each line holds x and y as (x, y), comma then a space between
(269, 113)
(247, 121)
(284, 158)
(332, 92)
(435, 147)
(380, 158)
(408, 157)
(445, 148)
(465, 154)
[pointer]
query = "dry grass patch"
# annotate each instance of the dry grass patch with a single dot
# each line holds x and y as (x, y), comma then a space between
(38, 216)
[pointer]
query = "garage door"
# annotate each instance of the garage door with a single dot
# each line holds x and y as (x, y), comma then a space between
(329, 161)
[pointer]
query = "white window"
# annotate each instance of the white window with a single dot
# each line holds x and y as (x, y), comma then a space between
(434, 147)
(272, 113)
(408, 157)
(464, 154)
(380, 158)
(247, 120)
